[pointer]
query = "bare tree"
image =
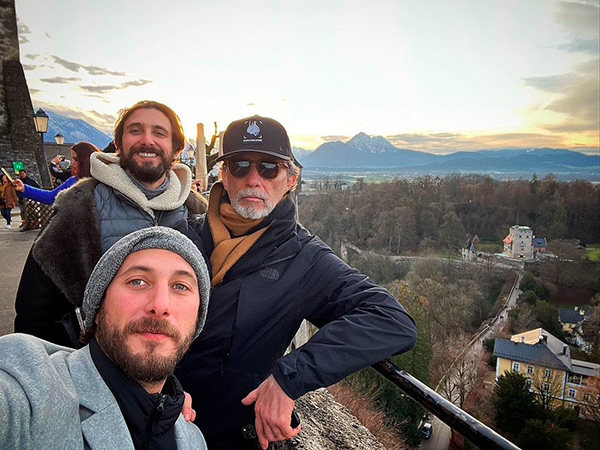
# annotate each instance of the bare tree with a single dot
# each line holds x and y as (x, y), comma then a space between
(548, 387)
(457, 371)
(591, 400)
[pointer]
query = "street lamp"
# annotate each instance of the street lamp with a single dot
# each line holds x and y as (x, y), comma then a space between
(40, 119)
(59, 139)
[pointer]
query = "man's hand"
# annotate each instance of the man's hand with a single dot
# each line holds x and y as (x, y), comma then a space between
(273, 409)
(18, 184)
(197, 186)
(188, 413)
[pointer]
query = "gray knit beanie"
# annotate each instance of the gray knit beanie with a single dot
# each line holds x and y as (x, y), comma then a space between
(147, 238)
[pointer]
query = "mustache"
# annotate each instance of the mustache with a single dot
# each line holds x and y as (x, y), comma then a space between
(142, 149)
(150, 325)
(252, 192)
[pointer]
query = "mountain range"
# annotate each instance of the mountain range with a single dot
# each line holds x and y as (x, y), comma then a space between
(376, 152)
(365, 152)
(74, 130)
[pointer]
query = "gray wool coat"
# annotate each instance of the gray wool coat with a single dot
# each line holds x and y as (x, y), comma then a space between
(53, 397)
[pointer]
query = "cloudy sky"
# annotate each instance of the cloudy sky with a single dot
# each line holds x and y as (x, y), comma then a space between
(431, 75)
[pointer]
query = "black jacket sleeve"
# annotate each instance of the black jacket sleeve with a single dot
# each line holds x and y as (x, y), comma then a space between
(40, 305)
(360, 324)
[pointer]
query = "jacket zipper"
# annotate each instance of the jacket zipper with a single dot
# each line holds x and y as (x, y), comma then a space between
(160, 406)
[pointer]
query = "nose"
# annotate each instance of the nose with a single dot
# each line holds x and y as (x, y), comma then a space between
(147, 139)
(159, 301)
(253, 178)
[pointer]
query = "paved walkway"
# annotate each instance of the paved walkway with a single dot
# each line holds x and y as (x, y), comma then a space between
(14, 247)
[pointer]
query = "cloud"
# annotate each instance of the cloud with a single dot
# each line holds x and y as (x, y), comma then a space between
(105, 117)
(590, 46)
(111, 87)
(580, 18)
(577, 100)
(29, 66)
(92, 70)
(335, 138)
(32, 56)
(444, 143)
(48, 35)
(100, 89)
(135, 83)
(34, 91)
(60, 80)
(22, 28)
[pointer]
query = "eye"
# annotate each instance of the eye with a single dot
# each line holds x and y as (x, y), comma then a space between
(137, 282)
(180, 287)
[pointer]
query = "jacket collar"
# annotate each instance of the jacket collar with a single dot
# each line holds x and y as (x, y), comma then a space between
(102, 424)
(106, 169)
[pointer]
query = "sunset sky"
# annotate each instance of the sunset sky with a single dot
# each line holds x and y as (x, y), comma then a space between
(429, 75)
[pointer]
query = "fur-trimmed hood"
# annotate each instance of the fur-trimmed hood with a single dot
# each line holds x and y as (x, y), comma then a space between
(106, 169)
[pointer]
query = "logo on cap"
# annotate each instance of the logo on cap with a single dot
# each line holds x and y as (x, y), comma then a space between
(252, 132)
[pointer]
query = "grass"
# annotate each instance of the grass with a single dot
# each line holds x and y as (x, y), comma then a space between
(489, 247)
(592, 252)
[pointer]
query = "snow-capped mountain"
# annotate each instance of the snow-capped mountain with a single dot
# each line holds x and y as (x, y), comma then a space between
(74, 130)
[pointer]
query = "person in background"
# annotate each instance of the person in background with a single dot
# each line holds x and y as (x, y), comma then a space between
(25, 179)
(145, 302)
(80, 168)
(59, 170)
(268, 274)
(8, 199)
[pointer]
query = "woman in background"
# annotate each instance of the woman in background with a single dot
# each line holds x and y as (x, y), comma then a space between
(80, 168)
(8, 198)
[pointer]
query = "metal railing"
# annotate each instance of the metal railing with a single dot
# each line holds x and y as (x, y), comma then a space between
(472, 429)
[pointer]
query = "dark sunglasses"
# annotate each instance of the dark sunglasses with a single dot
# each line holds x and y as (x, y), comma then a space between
(239, 168)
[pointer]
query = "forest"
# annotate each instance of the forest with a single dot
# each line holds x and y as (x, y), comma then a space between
(433, 213)
(429, 219)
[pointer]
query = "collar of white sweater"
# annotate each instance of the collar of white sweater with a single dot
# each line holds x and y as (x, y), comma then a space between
(105, 168)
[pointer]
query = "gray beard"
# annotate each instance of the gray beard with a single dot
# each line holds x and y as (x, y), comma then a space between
(250, 211)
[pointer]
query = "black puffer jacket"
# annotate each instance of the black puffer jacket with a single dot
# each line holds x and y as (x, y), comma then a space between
(287, 276)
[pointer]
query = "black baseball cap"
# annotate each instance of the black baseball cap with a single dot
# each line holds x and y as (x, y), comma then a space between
(256, 134)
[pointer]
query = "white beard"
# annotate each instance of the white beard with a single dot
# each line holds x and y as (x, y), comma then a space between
(251, 211)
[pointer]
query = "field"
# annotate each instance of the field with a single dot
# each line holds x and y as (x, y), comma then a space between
(592, 252)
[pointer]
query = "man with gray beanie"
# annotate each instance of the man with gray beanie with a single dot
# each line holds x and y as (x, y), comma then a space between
(145, 302)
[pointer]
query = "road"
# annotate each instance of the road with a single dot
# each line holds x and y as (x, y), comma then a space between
(14, 249)
(473, 352)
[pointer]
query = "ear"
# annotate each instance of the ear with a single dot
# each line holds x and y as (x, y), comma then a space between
(176, 155)
(291, 180)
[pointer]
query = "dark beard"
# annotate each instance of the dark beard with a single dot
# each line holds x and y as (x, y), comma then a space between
(146, 173)
(143, 368)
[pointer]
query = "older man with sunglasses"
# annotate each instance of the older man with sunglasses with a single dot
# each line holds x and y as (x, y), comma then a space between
(268, 273)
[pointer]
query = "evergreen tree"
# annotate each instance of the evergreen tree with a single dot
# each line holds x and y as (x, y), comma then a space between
(514, 403)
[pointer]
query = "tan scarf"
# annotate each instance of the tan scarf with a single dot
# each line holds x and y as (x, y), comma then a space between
(222, 218)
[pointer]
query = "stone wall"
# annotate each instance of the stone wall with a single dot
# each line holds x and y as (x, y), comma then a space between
(327, 425)
(18, 139)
